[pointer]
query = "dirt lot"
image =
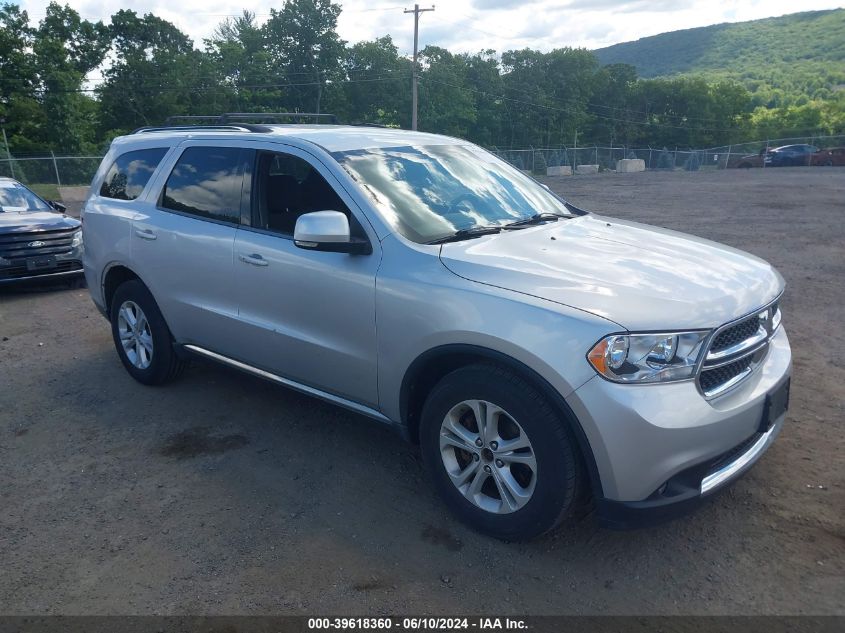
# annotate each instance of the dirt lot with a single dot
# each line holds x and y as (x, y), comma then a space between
(222, 494)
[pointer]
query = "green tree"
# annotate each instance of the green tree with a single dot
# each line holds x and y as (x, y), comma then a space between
(156, 73)
(484, 79)
(379, 86)
(307, 53)
(446, 106)
(18, 80)
(238, 56)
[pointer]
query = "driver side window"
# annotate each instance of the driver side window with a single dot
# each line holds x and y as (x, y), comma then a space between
(287, 187)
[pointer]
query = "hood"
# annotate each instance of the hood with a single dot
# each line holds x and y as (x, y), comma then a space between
(27, 221)
(641, 277)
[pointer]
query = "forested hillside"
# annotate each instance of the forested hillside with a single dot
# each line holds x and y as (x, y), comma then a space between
(786, 60)
(69, 85)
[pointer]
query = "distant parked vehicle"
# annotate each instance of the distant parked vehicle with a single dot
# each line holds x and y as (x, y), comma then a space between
(831, 157)
(748, 161)
(37, 240)
(790, 155)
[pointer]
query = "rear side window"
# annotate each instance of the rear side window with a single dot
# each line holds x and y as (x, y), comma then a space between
(130, 173)
(207, 182)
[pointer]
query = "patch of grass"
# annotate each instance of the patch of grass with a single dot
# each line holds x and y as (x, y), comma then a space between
(46, 191)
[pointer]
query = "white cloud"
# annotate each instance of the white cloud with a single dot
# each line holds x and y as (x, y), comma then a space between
(473, 25)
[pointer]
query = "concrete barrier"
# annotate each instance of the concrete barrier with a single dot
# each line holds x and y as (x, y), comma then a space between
(73, 198)
(587, 169)
(630, 165)
(559, 170)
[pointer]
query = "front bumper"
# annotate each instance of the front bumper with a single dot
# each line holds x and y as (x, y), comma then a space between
(67, 265)
(690, 489)
(662, 449)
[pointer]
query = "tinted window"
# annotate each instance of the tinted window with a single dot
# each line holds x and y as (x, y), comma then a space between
(207, 181)
(131, 172)
(289, 186)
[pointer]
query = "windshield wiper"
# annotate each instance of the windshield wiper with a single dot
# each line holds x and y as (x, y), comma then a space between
(537, 218)
(466, 234)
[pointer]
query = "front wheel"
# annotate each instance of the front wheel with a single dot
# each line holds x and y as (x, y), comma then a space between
(500, 456)
(141, 336)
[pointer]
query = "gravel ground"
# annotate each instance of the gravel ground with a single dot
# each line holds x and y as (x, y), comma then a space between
(222, 494)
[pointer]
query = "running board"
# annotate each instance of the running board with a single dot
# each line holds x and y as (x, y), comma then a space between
(292, 384)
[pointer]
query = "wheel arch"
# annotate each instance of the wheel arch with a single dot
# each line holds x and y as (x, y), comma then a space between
(115, 275)
(431, 366)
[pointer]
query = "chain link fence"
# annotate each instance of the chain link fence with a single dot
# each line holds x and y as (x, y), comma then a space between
(50, 170)
(79, 170)
(543, 161)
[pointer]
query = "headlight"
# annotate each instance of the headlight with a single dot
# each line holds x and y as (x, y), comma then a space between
(77, 238)
(642, 358)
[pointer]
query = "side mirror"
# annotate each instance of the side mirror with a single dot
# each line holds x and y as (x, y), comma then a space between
(328, 231)
(58, 206)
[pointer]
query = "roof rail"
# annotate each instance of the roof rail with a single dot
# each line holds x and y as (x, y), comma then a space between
(263, 117)
(205, 128)
(231, 121)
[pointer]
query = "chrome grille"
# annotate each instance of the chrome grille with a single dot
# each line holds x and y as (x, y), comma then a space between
(736, 350)
(735, 334)
(713, 378)
(36, 243)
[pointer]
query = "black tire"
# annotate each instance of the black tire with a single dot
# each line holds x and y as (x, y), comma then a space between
(164, 364)
(560, 480)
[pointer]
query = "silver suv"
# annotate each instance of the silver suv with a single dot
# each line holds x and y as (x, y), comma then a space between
(541, 356)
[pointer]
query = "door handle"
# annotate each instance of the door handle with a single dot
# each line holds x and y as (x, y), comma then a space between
(145, 234)
(255, 259)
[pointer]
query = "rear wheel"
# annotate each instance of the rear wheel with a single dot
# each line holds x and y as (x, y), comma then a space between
(141, 336)
(500, 456)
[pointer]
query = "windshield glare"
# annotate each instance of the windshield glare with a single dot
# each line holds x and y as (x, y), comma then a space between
(430, 192)
(16, 197)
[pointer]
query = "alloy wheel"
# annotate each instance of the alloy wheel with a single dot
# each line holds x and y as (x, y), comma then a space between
(488, 456)
(135, 334)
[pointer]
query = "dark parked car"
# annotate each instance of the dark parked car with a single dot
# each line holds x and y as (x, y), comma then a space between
(748, 161)
(831, 157)
(37, 240)
(790, 155)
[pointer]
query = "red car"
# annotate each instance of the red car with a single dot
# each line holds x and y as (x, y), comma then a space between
(833, 156)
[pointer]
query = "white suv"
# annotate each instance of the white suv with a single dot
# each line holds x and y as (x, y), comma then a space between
(539, 354)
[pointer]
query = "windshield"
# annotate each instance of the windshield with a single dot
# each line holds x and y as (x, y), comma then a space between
(430, 192)
(15, 197)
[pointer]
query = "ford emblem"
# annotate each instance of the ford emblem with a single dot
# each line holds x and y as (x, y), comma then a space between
(36, 244)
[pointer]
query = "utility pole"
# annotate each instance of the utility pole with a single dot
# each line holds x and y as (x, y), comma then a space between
(416, 11)
(6, 144)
